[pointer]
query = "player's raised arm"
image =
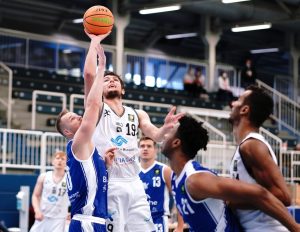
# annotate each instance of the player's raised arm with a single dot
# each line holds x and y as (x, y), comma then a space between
(90, 64)
(83, 137)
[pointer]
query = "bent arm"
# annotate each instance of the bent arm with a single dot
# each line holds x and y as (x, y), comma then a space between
(157, 134)
(257, 159)
(237, 191)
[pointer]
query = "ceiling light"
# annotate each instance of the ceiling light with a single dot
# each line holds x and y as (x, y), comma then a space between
(265, 50)
(179, 36)
(77, 20)
(160, 9)
(252, 28)
(233, 1)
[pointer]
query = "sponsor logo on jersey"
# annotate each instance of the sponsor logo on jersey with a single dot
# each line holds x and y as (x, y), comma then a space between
(235, 165)
(130, 117)
(119, 140)
(124, 160)
(52, 198)
(74, 196)
(119, 129)
(148, 219)
(119, 124)
(63, 184)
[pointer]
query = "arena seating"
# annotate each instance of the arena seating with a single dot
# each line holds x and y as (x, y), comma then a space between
(27, 80)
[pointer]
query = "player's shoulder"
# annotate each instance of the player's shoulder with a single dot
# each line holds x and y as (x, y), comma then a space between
(42, 176)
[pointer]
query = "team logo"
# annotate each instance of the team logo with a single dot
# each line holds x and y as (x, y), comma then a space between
(63, 184)
(182, 188)
(119, 129)
(130, 117)
(157, 172)
(106, 113)
(119, 140)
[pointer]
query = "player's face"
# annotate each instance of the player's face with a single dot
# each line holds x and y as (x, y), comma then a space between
(71, 121)
(166, 146)
(147, 150)
(236, 106)
(59, 162)
(112, 87)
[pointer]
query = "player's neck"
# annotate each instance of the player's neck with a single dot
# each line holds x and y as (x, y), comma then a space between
(177, 163)
(147, 163)
(116, 105)
(58, 174)
(242, 130)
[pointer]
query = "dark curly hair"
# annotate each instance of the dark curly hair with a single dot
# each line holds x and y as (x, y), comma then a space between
(192, 135)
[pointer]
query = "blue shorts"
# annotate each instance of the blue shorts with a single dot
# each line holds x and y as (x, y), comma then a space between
(79, 226)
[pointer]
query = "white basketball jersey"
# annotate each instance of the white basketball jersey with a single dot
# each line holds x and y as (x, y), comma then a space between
(54, 201)
(120, 132)
(253, 220)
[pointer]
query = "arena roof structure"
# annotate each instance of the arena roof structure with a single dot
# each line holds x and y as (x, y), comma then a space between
(149, 31)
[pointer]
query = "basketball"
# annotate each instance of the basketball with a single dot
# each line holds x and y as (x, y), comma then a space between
(98, 20)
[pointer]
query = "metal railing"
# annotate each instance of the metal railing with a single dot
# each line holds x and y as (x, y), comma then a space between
(28, 150)
(6, 101)
(35, 95)
(286, 112)
(291, 165)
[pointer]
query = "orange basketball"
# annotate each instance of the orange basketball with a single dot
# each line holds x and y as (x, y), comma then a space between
(98, 20)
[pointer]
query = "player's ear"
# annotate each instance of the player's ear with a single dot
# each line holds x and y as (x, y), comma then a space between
(176, 142)
(244, 109)
(123, 92)
(67, 133)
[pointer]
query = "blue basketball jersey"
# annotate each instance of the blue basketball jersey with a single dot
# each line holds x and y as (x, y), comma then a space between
(208, 215)
(87, 184)
(156, 189)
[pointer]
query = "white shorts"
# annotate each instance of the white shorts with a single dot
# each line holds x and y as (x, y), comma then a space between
(49, 225)
(128, 208)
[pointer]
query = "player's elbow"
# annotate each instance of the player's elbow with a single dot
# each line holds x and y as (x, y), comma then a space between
(88, 74)
(286, 199)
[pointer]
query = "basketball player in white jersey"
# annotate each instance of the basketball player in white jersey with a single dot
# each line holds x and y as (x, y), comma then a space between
(254, 161)
(118, 125)
(156, 178)
(87, 174)
(49, 199)
(200, 194)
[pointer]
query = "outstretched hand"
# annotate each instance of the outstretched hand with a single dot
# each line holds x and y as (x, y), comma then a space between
(109, 156)
(96, 38)
(172, 119)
